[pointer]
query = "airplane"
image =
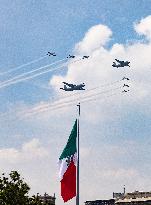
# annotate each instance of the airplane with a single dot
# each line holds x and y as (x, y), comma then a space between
(85, 57)
(126, 85)
(72, 87)
(124, 78)
(70, 56)
(125, 91)
(51, 54)
(121, 63)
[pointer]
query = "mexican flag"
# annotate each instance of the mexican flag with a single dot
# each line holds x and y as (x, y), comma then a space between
(67, 166)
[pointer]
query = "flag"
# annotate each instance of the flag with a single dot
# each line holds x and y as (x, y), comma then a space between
(67, 166)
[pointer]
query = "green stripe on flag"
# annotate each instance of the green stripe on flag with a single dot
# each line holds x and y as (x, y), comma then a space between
(70, 147)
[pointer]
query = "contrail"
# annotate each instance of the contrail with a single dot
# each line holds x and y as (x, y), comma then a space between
(11, 82)
(29, 72)
(73, 103)
(59, 106)
(79, 94)
(21, 66)
(81, 98)
(63, 103)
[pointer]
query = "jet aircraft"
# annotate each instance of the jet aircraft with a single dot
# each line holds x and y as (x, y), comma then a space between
(51, 54)
(120, 63)
(125, 85)
(72, 87)
(70, 56)
(125, 91)
(85, 57)
(124, 78)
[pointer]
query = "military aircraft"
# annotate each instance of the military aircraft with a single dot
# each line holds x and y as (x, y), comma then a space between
(125, 85)
(125, 91)
(51, 54)
(120, 63)
(72, 87)
(124, 78)
(85, 57)
(70, 56)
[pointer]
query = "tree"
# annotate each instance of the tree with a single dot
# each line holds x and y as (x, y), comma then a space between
(14, 191)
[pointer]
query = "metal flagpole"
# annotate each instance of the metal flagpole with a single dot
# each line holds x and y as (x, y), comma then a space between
(77, 194)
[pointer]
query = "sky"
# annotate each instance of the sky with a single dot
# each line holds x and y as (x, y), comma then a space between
(36, 117)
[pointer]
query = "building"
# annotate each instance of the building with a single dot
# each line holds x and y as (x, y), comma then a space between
(46, 199)
(132, 198)
(119, 195)
(135, 198)
(101, 202)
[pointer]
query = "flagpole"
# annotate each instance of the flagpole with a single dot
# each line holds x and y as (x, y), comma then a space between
(77, 194)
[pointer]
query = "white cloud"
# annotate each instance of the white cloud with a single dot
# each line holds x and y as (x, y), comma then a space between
(96, 37)
(108, 160)
(144, 27)
(121, 164)
(98, 70)
(33, 161)
(29, 151)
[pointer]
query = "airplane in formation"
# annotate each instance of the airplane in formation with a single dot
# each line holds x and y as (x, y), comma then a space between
(72, 87)
(70, 56)
(120, 63)
(125, 91)
(51, 54)
(125, 85)
(85, 57)
(124, 78)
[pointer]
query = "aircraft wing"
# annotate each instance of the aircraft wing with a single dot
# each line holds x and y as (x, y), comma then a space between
(119, 61)
(114, 65)
(68, 84)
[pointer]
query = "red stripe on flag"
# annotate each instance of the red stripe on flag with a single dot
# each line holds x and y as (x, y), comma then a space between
(68, 183)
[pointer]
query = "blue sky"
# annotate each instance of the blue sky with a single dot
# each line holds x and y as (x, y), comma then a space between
(115, 132)
(30, 28)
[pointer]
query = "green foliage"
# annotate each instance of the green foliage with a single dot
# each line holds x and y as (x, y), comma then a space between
(14, 191)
